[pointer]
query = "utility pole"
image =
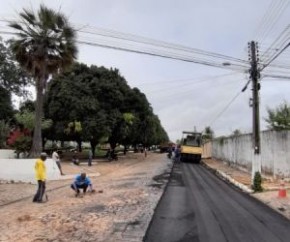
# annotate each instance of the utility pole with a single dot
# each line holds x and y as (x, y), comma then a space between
(255, 75)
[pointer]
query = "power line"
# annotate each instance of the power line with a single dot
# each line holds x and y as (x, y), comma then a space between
(264, 20)
(274, 14)
(134, 38)
(152, 42)
(164, 55)
(281, 44)
(198, 80)
(225, 108)
(277, 76)
(156, 52)
(274, 57)
(181, 92)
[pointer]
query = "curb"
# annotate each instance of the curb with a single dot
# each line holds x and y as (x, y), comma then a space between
(229, 179)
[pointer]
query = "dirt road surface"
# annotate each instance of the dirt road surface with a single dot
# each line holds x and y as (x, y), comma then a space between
(127, 192)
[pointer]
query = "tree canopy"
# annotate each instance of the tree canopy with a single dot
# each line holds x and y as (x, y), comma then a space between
(45, 45)
(12, 77)
(104, 104)
(12, 81)
(279, 117)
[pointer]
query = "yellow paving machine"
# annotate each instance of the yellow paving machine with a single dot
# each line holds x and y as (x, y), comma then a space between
(191, 149)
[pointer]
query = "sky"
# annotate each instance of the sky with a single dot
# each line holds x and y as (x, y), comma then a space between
(185, 96)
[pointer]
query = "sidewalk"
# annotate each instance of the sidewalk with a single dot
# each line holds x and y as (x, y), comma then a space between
(242, 179)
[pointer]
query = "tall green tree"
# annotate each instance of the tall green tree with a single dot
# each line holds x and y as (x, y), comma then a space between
(72, 96)
(12, 78)
(279, 117)
(45, 45)
(101, 100)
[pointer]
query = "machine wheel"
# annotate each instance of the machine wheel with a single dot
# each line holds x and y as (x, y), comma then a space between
(181, 158)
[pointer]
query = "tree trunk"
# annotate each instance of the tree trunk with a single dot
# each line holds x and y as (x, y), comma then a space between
(79, 141)
(43, 143)
(93, 147)
(37, 139)
(113, 145)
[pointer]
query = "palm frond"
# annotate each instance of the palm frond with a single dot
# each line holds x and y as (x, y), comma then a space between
(44, 38)
(16, 26)
(28, 16)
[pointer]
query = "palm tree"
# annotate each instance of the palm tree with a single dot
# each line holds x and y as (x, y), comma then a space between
(45, 45)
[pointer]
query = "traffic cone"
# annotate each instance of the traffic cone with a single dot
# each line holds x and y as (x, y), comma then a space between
(282, 191)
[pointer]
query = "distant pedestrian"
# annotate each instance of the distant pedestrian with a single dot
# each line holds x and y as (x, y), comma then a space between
(177, 153)
(75, 159)
(56, 159)
(81, 182)
(90, 154)
(40, 175)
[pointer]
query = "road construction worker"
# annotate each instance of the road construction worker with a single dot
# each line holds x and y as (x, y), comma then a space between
(40, 175)
(81, 182)
(56, 159)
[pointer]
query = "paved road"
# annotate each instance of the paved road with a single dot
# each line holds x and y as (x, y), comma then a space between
(199, 207)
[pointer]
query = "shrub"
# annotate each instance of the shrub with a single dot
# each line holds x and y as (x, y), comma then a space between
(257, 186)
(22, 145)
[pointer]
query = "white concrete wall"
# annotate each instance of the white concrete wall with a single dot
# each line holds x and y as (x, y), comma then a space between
(206, 150)
(23, 170)
(7, 154)
(275, 152)
(236, 150)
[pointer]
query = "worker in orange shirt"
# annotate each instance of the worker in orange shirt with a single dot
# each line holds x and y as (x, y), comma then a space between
(40, 175)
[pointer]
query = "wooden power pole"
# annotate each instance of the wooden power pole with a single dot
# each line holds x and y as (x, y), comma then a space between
(255, 75)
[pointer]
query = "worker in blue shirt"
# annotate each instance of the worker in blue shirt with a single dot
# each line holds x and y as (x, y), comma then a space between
(81, 182)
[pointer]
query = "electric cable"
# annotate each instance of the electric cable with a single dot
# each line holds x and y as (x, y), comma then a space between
(225, 108)
(155, 43)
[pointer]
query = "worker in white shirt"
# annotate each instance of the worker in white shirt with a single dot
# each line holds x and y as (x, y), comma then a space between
(56, 159)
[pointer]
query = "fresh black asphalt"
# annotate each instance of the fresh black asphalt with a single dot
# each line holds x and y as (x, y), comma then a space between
(197, 206)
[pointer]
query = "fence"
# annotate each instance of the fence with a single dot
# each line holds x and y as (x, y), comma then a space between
(238, 150)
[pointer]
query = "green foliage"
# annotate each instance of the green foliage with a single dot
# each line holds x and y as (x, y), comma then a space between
(22, 144)
(28, 105)
(128, 118)
(6, 109)
(208, 134)
(45, 45)
(101, 100)
(73, 128)
(4, 132)
(46, 124)
(257, 185)
(279, 117)
(12, 78)
(27, 119)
